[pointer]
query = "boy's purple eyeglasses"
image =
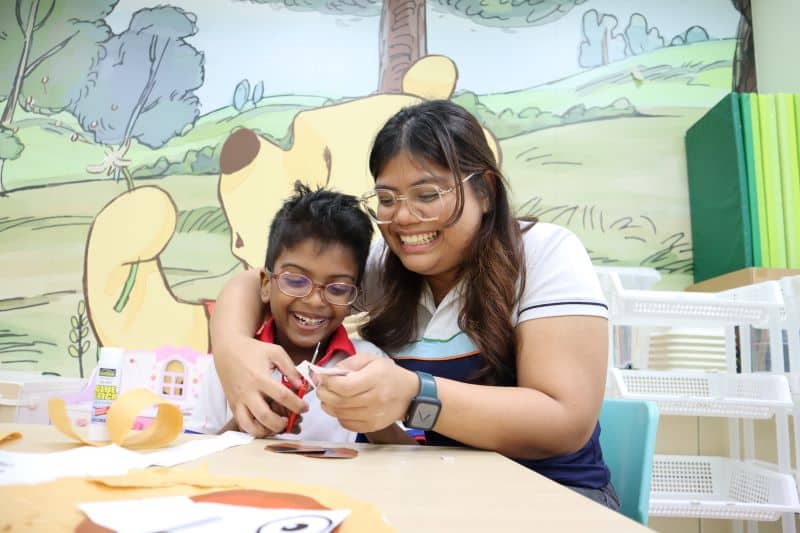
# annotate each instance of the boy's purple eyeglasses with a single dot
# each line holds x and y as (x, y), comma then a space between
(299, 286)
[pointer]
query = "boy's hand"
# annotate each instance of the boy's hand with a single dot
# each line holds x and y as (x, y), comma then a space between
(375, 394)
(282, 411)
(252, 392)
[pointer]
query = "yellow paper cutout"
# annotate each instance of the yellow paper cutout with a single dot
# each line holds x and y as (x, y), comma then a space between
(165, 477)
(166, 427)
(8, 437)
(22, 504)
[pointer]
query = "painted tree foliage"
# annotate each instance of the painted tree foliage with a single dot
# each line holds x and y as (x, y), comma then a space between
(403, 35)
(46, 50)
(142, 87)
(601, 43)
(641, 37)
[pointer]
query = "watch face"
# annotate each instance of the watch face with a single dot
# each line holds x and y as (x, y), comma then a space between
(425, 415)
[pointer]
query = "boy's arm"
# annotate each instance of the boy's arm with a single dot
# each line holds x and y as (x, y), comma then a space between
(393, 434)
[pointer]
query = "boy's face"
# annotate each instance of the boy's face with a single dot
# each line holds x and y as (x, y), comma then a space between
(303, 322)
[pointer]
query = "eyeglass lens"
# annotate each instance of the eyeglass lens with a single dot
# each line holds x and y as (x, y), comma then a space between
(424, 202)
(300, 286)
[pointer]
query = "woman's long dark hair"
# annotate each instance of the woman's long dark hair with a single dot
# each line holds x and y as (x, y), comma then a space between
(445, 134)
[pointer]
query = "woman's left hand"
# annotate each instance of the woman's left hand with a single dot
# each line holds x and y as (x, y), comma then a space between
(375, 394)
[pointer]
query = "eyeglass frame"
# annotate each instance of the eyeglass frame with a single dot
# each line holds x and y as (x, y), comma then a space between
(314, 285)
(404, 197)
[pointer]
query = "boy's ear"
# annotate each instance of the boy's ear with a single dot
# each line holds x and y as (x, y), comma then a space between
(264, 292)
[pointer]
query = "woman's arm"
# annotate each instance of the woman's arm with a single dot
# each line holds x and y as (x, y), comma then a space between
(561, 373)
(561, 366)
(245, 364)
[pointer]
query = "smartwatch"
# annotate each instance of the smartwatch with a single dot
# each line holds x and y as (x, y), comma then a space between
(424, 408)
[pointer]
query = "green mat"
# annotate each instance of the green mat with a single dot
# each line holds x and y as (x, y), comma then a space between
(718, 191)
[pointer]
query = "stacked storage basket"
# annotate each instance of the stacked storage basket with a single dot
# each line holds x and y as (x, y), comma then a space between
(735, 487)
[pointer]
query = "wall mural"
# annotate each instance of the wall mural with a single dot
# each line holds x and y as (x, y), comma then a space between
(144, 147)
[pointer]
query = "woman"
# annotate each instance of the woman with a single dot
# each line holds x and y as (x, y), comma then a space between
(496, 327)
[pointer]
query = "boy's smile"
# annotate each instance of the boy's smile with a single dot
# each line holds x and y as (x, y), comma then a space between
(301, 323)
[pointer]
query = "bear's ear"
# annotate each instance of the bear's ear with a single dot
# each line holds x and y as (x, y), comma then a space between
(431, 77)
(240, 149)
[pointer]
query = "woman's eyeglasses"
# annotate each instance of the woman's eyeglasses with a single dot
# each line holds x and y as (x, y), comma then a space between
(300, 286)
(425, 201)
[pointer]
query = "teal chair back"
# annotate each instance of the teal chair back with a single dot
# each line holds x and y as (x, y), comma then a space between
(628, 439)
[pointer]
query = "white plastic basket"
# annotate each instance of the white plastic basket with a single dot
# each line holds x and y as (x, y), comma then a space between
(688, 309)
(706, 393)
(717, 487)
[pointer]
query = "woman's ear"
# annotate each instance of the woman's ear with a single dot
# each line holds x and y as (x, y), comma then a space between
(486, 205)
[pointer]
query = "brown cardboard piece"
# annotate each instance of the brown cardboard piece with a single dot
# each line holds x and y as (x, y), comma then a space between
(741, 278)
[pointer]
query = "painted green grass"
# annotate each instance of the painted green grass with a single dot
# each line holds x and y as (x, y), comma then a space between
(695, 75)
(597, 178)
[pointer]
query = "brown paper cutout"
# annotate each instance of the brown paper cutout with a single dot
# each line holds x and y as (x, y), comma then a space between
(307, 450)
(8, 437)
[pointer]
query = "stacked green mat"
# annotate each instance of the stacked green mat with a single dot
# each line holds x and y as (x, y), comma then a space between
(743, 159)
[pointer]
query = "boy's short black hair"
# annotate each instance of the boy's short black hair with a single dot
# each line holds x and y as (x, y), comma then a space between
(325, 216)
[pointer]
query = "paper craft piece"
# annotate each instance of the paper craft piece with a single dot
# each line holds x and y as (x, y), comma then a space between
(167, 425)
(312, 451)
(19, 467)
(22, 504)
(196, 449)
(164, 477)
(8, 437)
(194, 515)
(294, 448)
(304, 369)
(328, 371)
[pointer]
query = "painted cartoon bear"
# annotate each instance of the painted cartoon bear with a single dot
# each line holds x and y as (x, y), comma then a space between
(129, 301)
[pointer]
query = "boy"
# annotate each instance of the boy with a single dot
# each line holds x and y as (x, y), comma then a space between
(316, 254)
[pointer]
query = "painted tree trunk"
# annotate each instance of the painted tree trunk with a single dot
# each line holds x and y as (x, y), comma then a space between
(403, 40)
(19, 76)
(2, 187)
(744, 61)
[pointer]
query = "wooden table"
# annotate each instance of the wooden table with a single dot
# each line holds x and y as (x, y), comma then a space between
(418, 488)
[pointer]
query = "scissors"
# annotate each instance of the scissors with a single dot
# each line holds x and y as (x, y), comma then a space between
(301, 391)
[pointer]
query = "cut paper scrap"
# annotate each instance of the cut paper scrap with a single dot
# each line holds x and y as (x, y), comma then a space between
(8, 437)
(328, 371)
(166, 426)
(23, 509)
(164, 477)
(195, 515)
(26, 468)
(318, 452)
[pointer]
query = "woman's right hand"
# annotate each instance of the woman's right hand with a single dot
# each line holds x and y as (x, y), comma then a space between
(246, 376)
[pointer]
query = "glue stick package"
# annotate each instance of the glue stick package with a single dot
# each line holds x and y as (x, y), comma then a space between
(106, 390)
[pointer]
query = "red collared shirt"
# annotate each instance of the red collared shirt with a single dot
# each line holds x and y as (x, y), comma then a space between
(339, 341)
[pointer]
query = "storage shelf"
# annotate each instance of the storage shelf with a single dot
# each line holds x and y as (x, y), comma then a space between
(754, 396)
(718, 487)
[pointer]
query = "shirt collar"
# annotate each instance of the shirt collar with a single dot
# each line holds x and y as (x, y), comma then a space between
(338, 342)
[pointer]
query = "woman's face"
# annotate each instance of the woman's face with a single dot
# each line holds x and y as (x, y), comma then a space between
(429, 248)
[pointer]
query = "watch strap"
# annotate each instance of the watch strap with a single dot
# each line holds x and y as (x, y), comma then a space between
(427, 385)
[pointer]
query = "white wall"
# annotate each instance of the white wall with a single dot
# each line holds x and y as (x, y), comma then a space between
(777, 41)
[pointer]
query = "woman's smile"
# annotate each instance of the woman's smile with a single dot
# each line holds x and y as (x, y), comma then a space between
(418, 242)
